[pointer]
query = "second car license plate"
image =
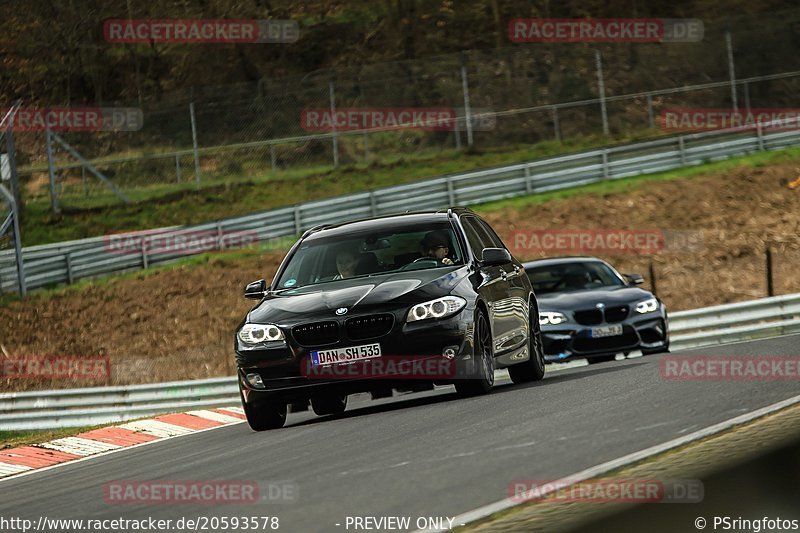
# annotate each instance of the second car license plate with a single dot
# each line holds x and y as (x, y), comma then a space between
(345, 355)
(606, 331)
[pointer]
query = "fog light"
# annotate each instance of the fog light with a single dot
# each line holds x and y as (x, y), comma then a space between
(449, 352)
(255, 381)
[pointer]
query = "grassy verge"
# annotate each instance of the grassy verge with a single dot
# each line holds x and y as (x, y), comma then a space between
(15, 439)
(226, 196)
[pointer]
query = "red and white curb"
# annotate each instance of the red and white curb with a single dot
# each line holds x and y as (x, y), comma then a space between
(15, 461)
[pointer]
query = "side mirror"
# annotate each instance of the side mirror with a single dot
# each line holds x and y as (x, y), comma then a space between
(634, 279)
(495, 256)
(255, 290)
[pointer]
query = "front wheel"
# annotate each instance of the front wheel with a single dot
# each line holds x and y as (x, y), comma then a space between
(483, 359)
(533, 368)
(265, 415)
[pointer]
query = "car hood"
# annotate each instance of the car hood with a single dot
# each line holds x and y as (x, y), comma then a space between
(573, 300)
(358, 294)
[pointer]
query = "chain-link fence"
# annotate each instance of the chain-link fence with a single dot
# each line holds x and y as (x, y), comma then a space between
(12, 273)
(504, 98)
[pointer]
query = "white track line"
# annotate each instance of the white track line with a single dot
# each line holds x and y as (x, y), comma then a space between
(9, 469)
(157, 428)
(214, 416)
(79, 446)
(583, 475)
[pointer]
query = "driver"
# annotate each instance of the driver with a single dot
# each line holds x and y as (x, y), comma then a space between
(346, 262)
(435, 245)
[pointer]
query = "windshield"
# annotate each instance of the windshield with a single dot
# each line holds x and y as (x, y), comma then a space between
(577, 276)
(367, 254)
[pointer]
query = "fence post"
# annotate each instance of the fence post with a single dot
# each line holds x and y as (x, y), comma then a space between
(272, 157)
(601, 89)
(770, 287)
(731, 70)
(652, 278)
(556, 125)
(178, 168)
(51, 169)
(465, 89)
(332, 95)
(747, 96)
(650, 117)
(194, 145)
(457, 133)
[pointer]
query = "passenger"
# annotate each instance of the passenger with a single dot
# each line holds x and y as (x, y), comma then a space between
(436, 246)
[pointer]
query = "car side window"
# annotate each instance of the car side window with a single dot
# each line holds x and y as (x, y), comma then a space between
(496, 241)
(477, 237)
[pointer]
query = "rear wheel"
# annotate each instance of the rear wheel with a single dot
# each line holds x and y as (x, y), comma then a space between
(533, 368)
(329, 404)
(483, 359)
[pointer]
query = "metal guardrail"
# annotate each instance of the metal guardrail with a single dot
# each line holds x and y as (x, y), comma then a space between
(708, 326)
(66, 262)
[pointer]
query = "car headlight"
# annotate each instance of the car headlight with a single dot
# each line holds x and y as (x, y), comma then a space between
(647, 306)
(259, 333)
(438, 308)
(551, 317)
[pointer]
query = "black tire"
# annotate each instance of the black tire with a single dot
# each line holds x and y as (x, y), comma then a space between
(601, 359)
(533, 368)
(329, 404)
(665, 349)
(265, 415)
(483, 359)
(382, 392)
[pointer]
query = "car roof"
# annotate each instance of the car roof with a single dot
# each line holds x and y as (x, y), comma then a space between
(561, 261)
(382, 222)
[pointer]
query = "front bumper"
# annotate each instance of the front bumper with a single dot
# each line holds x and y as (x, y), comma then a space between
(283, 367)
(570, 340)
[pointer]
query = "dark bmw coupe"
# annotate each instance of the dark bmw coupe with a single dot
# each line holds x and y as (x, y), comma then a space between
(389, 302)
(589, 310)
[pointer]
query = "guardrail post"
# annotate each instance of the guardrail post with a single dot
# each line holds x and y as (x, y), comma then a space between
(451, 194)
(556, 125)
(220, 244)
(605, 164)
(297, 228)
(770, 287)
(68, 259)
(760, 136)
(373, 204)
(682, 150)
(145, 263)
(528, 184)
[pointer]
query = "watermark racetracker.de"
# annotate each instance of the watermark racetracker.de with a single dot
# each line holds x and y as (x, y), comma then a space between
(179, 242)
(611, 490)
(730, 368)
(199, 492)
(614, 30)
(714, 118)
(603, 241)
(190, 31)
(69, 367)
(75, 119)
(325, 120)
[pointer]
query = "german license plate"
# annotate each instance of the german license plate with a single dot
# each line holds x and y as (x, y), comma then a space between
(606, 331)
(345, 355)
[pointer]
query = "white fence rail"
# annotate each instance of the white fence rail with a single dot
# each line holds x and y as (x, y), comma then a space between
(767, 317)
(67, 262)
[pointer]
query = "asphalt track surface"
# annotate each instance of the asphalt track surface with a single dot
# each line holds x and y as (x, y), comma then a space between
(418, 455)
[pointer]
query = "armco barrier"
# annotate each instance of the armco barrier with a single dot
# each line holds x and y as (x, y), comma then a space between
(70, 261)
(708, 326)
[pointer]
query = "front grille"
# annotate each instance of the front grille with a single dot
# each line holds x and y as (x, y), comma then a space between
(589, 317)
(316, 333)
(617, 314)
(369, 327)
